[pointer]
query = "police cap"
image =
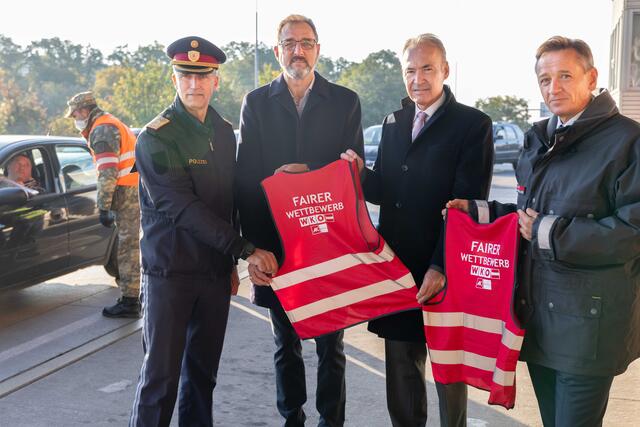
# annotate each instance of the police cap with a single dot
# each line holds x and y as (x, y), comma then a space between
(195, 55)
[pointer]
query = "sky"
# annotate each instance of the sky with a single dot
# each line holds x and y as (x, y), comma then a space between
(490, 44)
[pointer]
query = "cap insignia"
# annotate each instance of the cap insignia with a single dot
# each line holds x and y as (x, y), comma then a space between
(194, 43)
(193, 55)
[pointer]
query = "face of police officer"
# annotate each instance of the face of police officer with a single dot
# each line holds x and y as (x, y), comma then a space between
(565, 83)
(297, 50)
(19, 169)
(424, 71)
(195, 90)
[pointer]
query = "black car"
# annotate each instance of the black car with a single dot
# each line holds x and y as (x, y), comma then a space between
(51, 228)
(507, 141)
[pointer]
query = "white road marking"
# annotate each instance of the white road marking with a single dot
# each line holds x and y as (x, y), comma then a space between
(51, 336)
(116, 387)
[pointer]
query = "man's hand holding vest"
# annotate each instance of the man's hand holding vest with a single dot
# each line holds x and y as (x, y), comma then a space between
(432, 283)
(293, 168)
(262, 264)
(352, 156)
(526, 220)
(459, 204)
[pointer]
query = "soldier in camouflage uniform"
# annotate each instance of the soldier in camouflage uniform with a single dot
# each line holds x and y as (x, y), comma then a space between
(112, 145)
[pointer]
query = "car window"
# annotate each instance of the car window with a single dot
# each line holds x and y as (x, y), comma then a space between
(372, 135)
(510, 133)
(29, 169)
(77, 169)
(500, 134)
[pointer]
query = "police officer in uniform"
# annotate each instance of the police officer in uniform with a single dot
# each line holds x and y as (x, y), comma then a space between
(112, 145)
(186, 159)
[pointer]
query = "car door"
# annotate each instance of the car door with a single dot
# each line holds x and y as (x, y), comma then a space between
(500, 143)
(512, 142)
(89, 241)
(33, 232)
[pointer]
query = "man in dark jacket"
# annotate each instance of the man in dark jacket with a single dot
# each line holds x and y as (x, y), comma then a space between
(185, 157)
(579, 207)
(298, 122)
(431, 149)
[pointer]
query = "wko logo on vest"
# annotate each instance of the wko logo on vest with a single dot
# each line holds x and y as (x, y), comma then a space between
(314, 210)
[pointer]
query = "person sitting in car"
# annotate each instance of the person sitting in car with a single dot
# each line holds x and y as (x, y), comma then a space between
(19, 169)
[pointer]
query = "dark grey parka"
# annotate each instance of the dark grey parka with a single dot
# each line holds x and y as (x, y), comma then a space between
(579, 277)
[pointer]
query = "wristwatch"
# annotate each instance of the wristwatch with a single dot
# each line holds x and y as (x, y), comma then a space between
(247, 250)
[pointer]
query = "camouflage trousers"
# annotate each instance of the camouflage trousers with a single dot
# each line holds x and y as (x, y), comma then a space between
(127, 218)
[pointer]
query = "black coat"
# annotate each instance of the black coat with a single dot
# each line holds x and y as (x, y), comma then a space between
(451, 158)
(272, 135)
(580, 275)
(186, 195)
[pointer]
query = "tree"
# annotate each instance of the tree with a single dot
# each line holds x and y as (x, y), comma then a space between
(506, 109)
(237, 79)
(11, 56)
(140, 95)
(20, 111)
(378, 82)
(139, 58)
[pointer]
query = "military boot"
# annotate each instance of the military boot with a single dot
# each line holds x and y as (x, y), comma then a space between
(124, 307)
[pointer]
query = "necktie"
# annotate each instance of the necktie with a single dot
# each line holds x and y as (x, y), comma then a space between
(421, 118)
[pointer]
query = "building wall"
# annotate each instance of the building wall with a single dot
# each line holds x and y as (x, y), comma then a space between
(624, 72)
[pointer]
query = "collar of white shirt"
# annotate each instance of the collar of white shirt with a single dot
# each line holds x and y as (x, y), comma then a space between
(431, 109)
(569, 122)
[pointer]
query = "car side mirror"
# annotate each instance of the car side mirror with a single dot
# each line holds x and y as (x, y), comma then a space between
(13, 196)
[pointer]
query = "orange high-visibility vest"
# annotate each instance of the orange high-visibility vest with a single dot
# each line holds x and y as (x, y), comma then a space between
(126, 158)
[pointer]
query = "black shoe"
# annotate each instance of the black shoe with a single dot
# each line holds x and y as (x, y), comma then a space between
(124, 307)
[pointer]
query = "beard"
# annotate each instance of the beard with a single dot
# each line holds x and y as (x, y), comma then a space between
(298, 73)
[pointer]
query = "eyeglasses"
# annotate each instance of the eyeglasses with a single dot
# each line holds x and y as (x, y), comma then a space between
(305, 44)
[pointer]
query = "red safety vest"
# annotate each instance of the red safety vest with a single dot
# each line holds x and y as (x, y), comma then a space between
(472, 335)
(337, 270)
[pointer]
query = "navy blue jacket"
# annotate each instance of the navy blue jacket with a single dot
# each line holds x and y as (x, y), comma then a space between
(272, 135)
(186, 195)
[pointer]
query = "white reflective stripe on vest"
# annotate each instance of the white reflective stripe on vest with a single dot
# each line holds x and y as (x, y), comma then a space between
(332, 266)
(511, 340)
(467, 320)
(461, 357)
(104, 160)
(467, 358)
(350, 297)
(125, 171)
(504, 378)
(471, 321)
(128, 155)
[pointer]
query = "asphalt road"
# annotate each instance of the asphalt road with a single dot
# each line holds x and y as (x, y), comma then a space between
(63, 364)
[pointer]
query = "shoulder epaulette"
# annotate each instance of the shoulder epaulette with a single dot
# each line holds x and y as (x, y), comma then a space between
(158, 122)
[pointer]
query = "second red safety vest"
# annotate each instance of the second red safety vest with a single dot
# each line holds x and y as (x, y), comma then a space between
(337, 270)
(472, 334)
